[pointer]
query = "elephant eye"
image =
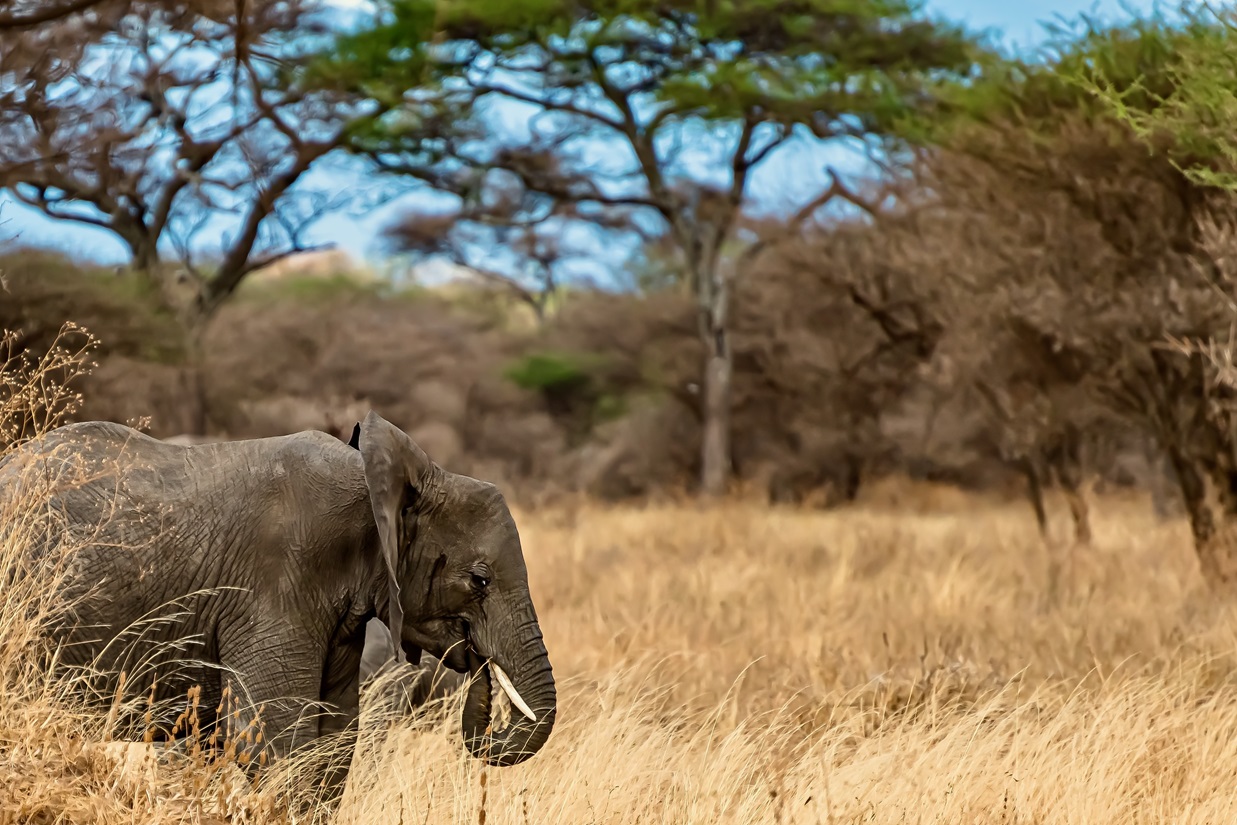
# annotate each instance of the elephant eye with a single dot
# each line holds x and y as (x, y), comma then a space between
(480, 580)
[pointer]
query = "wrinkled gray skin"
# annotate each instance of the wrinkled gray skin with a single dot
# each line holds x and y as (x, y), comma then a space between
(311, 530)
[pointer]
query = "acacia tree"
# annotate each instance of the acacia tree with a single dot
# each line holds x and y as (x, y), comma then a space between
(1182, 111)
(1041, 410)
(979, 248)
(665, 109)
(834, 324)
(1113, 254)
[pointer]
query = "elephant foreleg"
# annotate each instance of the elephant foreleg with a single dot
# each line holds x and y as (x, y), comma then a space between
(276, 675)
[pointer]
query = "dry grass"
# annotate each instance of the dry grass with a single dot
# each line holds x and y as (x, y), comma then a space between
(747, 665)
(740, 664)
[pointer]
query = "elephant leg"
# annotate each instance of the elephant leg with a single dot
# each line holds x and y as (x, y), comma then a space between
(341, 687)
(341, 682)
(280, 672)
(378, 649)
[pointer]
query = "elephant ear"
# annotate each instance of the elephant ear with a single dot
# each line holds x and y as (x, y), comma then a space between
(395, 468)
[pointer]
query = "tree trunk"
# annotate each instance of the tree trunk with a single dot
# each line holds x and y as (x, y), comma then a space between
(715, 455)
(1164, 485)
(854, 477)
(1070, 475)
(194, 374)
(181, 293)
(1080, 512)
(145, 256)
(712, 289)
(1035, 494)
(1210, 497)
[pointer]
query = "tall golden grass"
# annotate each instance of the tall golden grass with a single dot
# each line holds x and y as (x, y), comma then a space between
(741, 664)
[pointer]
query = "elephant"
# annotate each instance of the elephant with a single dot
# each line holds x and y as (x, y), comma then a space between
(300, 541)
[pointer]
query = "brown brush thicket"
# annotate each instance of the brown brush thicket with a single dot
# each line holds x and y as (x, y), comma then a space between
(852, 362)
(1097, 257)
(834, 334)
(1011, 316)
(984, 253)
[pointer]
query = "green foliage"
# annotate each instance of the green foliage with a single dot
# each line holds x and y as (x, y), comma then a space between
(610, 407)
(1168, 84)
(773, 61)
(1186, 105)
(552, 372)
(865, 61)
(575, 387)
(379, 62)
(338, 287)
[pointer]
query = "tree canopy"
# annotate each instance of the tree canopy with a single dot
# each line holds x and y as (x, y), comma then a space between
(635, 72)
(153, 120)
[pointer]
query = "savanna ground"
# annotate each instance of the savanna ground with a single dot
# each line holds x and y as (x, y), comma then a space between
(921, 659)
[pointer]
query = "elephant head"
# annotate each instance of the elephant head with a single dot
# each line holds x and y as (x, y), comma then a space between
(458, 588)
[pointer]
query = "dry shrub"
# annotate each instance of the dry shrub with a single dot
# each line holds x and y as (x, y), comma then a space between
(37, 391)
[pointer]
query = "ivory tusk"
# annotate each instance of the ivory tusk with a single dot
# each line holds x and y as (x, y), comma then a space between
(505, 683)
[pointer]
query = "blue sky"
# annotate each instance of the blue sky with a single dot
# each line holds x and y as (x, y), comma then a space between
(794, 174)
(1020, 20)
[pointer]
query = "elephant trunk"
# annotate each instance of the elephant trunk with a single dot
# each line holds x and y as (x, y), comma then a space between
(531, 679)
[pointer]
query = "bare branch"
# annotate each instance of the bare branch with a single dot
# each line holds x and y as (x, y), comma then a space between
(168, 129)
(235, 265)
(44, 12)
(837, 189)
(271, 258)
(763, 152)
(546, 102)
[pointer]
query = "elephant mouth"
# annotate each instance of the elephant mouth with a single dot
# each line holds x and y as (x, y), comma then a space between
(456, 656)
(463, 655)
(449, 640)
(475, 660)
